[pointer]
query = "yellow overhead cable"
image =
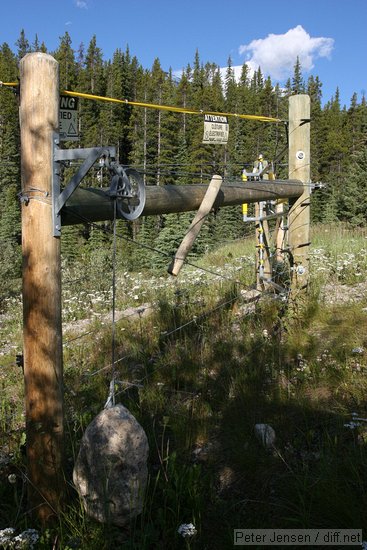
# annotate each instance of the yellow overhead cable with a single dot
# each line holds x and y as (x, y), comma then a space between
(169, 108)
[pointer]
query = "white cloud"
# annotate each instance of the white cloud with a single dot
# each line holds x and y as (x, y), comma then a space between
(277, 53)
(82, 4)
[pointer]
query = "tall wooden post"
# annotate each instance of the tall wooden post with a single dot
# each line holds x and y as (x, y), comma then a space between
(43, 374)
(299, 167)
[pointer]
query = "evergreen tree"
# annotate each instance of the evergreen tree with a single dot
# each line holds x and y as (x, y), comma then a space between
(298, 84)
(232, 156)
(314, 91)
(91, 80)
(22, 45)
(333, 164)
(10, 256)
(354, 200)
(67, 65)
(153, 122)
(143, 255)
(138, 130)
(170, 237)
(121, 76)
(36, 44)
(170, 134)
(316, 136)
(356, 125)
(246, 140)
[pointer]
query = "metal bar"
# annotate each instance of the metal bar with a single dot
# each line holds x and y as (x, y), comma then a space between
(77, 178)
(90, 155)
(280, 288)
(269, 217)
(75, 154)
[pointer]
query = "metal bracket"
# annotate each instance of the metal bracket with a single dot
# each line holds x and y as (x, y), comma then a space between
(90, 156)
(254, 176)
(317, 185)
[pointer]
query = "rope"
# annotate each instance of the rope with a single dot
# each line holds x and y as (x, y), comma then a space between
(197, 318)
(152, 249)
(170, 108)
(111, 396)
(143, 245)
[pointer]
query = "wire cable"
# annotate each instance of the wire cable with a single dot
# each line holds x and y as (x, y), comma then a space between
(152, 249)
(170, 108)
(111, 398)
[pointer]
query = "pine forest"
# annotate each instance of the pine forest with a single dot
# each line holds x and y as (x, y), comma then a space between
(167, 148)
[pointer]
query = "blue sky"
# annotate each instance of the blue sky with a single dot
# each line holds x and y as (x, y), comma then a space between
(329, 36)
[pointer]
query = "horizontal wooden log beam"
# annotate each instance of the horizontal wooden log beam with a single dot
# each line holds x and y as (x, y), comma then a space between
(90, 204)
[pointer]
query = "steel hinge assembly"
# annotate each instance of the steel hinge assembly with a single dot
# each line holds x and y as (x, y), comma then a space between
(126, 185)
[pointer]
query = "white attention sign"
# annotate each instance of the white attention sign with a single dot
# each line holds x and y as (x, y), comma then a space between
(216, 129)
(68, 118)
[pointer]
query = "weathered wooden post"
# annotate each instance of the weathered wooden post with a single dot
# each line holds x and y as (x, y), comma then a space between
(42, 340)
(195, 226)
(299, 168)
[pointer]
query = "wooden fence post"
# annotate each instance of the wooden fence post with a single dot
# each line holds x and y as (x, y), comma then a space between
(195, 226)
(299, 167)
(42, 333)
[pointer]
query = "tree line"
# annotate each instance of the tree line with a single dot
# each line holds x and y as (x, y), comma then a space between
(167, 147)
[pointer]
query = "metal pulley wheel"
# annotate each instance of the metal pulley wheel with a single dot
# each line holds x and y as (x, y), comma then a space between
(128, 188)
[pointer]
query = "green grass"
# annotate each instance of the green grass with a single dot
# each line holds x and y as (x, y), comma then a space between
(206, 374)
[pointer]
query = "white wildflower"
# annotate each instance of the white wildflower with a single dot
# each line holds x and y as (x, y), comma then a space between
(12, 478)
(26, 539)
(187, 530)
(352, 425)
(6, 536)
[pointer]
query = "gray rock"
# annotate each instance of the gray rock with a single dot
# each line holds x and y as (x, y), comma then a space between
(265, 434)
(110, 473)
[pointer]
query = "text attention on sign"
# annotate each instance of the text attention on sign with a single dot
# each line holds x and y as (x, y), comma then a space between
(216, 129)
